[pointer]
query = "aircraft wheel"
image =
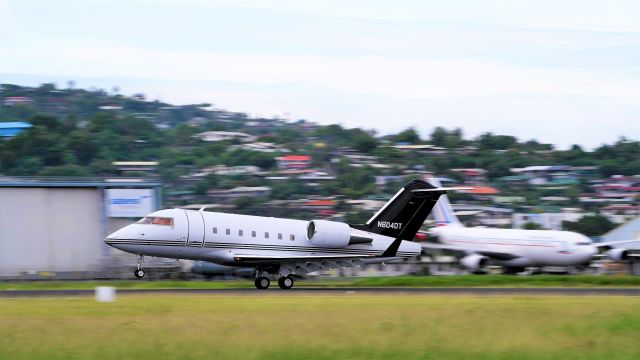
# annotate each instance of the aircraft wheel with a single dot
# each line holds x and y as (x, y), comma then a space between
(262, 283)
(285, 282)
(139, 273)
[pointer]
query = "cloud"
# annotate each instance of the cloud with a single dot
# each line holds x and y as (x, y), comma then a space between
(395, 77)
(5, 17)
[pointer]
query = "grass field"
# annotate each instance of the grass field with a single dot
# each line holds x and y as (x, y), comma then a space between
(408, 281)
(349, 326)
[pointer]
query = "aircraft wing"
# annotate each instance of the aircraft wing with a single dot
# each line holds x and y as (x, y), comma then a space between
(277, 258)
(469, 250)
(614, 243)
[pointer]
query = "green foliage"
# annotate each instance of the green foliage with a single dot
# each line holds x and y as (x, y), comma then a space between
(532, 226)
(80, 139)
(595, 225)
(410, 136)
(244, 202)
(449, 139)
(621, 158)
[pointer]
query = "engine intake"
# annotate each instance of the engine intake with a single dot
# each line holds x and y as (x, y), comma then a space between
(618, 254)
(474, 262)
(331, 234)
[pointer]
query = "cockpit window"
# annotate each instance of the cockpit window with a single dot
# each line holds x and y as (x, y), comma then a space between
(163, 221)
(583, 243)
(156, 221)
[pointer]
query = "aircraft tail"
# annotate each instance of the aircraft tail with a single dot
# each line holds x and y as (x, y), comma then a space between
(443, 211)
(403, 215)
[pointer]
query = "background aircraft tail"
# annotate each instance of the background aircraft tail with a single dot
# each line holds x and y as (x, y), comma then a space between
(443, 213)
(404, 214)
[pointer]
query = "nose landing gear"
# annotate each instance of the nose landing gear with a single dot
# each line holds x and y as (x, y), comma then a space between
(139, 272)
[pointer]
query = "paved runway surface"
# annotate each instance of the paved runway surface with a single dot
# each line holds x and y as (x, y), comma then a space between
(337, 291)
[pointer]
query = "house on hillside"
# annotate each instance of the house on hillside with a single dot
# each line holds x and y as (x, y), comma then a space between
(226, 196)
(551, 174)
(147, 167)
(265, 147)
(294, 161)
(473, 176)
(214, 136)
(421, 149)
(551, 221)
(16, 100)
(620, 213)
(11, 129)
(324, 208)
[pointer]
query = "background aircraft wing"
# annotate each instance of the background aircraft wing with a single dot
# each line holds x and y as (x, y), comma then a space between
(614, 243)
(469, 250)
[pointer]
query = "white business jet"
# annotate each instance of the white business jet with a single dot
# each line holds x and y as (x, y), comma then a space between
(513, 249)
(283, 247)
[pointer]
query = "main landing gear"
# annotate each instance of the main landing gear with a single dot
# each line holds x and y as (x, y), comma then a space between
(285, 282)
(139, 272)
(262, 282)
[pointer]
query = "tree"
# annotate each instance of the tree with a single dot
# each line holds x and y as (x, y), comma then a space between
(532, 226)
(408, 136)
(445, 138)
(590, 225)
(496, 142)
(363, 142)
(244, 202)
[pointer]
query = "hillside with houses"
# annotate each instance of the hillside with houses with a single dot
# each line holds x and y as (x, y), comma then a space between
(229, 161)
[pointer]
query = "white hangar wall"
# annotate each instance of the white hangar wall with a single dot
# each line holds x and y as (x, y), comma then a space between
(49, 229)
(52, 229)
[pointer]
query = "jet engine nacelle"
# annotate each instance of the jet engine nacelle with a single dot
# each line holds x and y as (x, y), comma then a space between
(618, 254)
(474, 262)
(331, 234)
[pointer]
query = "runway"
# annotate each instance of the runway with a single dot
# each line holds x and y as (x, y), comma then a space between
(338, 291)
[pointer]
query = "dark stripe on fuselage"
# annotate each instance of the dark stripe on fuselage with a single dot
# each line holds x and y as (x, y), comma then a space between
(261, 247)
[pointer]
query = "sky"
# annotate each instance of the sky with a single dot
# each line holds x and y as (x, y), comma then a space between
(561, 72)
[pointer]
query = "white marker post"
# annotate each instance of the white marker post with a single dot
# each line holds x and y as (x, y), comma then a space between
(105, 294)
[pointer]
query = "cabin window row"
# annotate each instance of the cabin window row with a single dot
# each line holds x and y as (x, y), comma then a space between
(254, 234)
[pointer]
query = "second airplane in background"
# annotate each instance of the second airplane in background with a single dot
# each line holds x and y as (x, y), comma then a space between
(513, 249)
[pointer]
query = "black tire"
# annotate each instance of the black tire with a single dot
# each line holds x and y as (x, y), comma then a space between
(139, 273)
(285, 282)
(262, 283)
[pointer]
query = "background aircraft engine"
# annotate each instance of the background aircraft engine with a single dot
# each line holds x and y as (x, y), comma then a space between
(331, 234)
(618, 254)
(474, 262)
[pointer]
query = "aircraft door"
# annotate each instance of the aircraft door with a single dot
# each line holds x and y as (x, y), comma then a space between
(196, 228)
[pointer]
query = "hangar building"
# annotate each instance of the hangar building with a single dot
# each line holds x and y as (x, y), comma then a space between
(56, 227)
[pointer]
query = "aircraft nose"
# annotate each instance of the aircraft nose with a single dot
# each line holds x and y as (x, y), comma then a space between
(119, 234)
(589, 252)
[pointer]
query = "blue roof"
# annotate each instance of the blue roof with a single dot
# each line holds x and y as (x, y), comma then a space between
(15, 124)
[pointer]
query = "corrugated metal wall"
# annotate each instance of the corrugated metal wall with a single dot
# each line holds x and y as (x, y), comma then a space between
(49, 229)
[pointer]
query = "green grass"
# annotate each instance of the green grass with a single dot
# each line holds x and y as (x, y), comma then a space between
(502, 281)
(398, 281)
(349, 326)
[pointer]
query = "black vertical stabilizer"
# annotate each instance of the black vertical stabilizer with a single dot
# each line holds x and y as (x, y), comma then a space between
(403, 215)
